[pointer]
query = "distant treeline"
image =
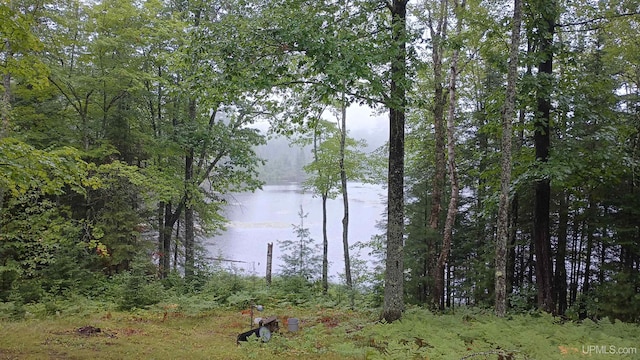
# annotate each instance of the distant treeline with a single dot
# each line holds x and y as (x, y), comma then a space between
(283, 163)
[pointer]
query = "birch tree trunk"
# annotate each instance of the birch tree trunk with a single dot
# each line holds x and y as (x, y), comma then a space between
(452, 209)
(5, 107)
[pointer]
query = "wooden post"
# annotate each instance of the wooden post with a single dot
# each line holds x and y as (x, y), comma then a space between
(269, 259)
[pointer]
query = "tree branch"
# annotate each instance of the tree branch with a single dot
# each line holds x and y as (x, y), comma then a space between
(595, 20)
(382, 101)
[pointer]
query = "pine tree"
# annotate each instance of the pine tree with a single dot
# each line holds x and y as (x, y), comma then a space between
(300, 256)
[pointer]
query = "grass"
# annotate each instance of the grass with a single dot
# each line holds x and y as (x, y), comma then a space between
(167, 333)
(170, 332)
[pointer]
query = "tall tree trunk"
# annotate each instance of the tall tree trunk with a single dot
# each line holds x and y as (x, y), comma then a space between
(448, 291)
(505, 179)
(5, 107)
(345, 203)
(512, 279)
(544, 264)
(169, 221)
(155, 110)
(190, 184)
(575, 262)
(189, 218)
(439, 35)
(325, 239)
(560, 275)
(325, 245)
(603, 256)
(394, 274)
(542, 238)
(452, 210)
(176, 246)
(586, 282)
(162, 271)
(531, 268)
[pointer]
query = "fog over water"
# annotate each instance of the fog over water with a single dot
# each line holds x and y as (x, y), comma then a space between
(268, 215)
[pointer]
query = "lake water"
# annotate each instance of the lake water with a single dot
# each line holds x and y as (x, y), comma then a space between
(268, 215)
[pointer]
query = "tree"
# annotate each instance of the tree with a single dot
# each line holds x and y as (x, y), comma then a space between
(331, 146)
(452, 209)
(95, 72)
(41, 237)
(323, 187)
(35, 233)
(327, 51)
(439, 36)
(94, 67)
(163, 34)
(207, 127)
(300, 256)
(544, 14)
(322, 181)
(345, 198)
(505, 178)
(394, 270)
(119, 113)
(18, 57)
(435, 17)
(589, 124)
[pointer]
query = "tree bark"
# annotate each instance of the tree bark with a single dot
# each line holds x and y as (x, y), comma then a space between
(325, 240)
(345, 204)
(542, 238)
(544, 264)
(439, 35)
(394, 275)
(505, 179)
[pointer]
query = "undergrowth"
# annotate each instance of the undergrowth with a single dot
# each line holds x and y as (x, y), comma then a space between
(208, 330)
(143, 318)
